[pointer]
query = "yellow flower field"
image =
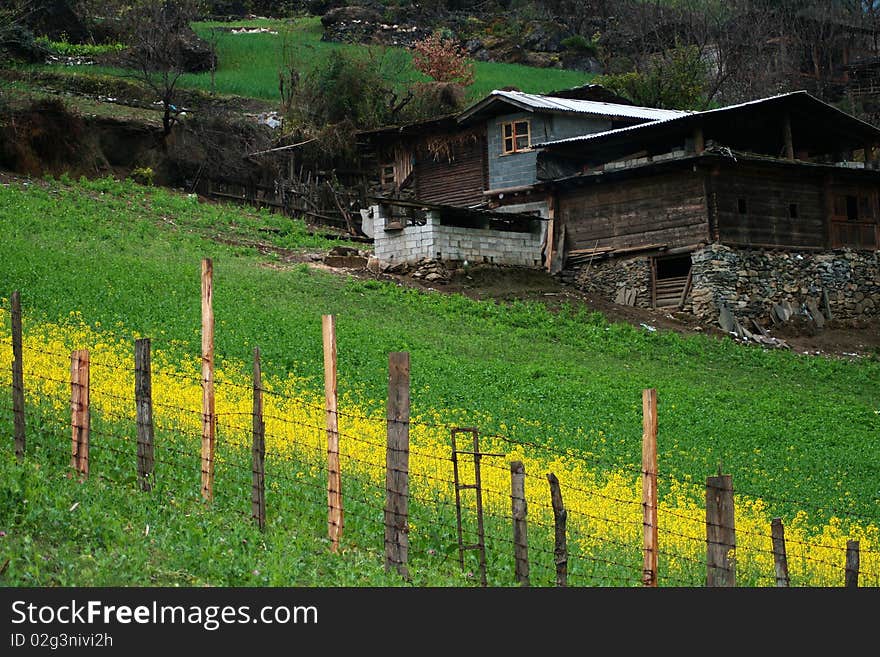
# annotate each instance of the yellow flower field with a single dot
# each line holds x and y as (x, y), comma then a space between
(604, 508)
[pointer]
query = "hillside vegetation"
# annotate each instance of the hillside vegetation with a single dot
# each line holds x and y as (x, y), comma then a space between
(99, 263)
(249, 63)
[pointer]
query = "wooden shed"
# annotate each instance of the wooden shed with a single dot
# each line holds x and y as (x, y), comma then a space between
(788, 172)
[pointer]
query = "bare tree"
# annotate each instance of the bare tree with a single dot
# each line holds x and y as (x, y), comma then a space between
(156, 31)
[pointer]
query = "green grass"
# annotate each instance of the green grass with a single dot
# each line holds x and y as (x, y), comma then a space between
(798, 431)
(814, 420)
(249, 63)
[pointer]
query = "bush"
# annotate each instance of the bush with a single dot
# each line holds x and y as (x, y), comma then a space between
(142, 175)
(675, 80)
(442, 59)
(578, 43)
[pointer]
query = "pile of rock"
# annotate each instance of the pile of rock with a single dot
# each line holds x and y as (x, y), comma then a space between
(431, 271)
(345, 257)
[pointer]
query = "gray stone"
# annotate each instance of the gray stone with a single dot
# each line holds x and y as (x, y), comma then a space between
(726, 320)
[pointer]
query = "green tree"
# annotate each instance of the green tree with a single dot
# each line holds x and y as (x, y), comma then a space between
(675, 79)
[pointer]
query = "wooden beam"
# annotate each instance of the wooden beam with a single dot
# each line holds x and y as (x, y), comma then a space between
(258, 448)
(334, 479)
(560, 515)
(143, 395)
(780, 561)
(520, 523)
(17, 378)
(397, 465)
(720, 532)
(208, 417)
(786, 135)
(699, 140)
(649, 485)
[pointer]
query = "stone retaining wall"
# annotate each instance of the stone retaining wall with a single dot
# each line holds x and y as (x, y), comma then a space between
(750, 281)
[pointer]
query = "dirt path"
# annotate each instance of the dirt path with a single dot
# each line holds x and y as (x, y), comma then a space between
(851, 340)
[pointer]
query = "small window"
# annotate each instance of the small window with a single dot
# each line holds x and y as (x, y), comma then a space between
(387, 174)
(515, 137)
(792, 211)
(852, 208)
(742, 206)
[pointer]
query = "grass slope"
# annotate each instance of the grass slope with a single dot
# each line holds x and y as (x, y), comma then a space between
(797, 431)
(249, 63)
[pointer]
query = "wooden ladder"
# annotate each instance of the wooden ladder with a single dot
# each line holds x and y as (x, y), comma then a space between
(480, 545)
(671, 292)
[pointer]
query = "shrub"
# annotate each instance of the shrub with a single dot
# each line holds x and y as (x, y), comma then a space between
(578, 43)
(675, 80)
(142, 175)
(442, 59)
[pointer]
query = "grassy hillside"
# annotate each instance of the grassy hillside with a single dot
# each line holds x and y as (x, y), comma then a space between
(249, 63)
(99, 263)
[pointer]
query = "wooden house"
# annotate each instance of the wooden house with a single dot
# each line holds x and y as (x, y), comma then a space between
(485, 154)
(700, 210)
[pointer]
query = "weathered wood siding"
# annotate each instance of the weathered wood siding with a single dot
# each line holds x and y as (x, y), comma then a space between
(767, 198)
(460, 181)
(666, 209)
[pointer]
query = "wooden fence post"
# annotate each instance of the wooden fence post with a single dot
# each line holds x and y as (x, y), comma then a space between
(208, 416)
(852, 564)
(520, 526)
(17, 378)
(79, 411)
(258, 449)
(560, 515)
(720, 532)
(397, 465)
(780, 560)
(143, 396)
(649, 485)
(334, 479)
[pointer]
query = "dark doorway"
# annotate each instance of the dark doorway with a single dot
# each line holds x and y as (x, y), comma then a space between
(672, 280)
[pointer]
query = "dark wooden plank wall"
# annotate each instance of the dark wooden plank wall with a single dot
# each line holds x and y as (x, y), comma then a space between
(768, 196)
(667, 209)
(460, 182)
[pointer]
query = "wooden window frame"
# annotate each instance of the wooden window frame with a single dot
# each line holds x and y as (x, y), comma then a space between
(854, 219)
(509, 144)
(387, 175)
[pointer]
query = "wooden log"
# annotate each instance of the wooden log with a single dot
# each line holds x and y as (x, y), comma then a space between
(397, 465)
(143, 399)
(649, 485)
(780, 560)
(258, 449)
(520, 527)
(17, 378)
(851, 579)
(79, 411)
(787, 138)
(699, 140)
(720, 532)
(560, 515)
(208, 415)
(334, 479)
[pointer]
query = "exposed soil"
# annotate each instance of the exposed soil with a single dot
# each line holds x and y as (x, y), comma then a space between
(487, 282)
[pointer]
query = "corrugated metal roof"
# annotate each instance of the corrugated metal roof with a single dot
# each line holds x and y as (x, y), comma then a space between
(642, 126)
(573, 106)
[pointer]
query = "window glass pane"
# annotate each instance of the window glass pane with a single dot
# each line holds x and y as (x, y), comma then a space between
(522, 142)
(522, 127)
(508, 145)
(508, 129)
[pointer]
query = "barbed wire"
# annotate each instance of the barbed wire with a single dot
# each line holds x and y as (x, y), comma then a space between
(360, 488)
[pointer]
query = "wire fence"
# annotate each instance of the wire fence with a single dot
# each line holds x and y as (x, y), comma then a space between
(420, 496)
